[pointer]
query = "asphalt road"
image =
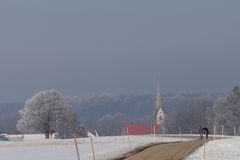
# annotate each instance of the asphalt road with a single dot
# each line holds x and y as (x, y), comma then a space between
(165, 151)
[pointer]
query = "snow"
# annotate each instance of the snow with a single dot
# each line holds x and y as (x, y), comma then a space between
(223, 149)
(105, 147)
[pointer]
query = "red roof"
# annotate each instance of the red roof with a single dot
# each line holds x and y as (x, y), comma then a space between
(141, 129)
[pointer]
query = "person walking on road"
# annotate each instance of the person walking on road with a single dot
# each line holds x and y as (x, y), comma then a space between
(206, 132)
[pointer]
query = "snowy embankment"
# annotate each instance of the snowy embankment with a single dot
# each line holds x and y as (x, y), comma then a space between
(222, 149)
(105, 147)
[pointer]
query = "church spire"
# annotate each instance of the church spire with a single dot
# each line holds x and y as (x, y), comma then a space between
(159, 114)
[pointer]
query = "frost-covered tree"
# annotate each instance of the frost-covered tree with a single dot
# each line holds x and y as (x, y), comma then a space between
(189, 115)
(46, 112)
(226, 111)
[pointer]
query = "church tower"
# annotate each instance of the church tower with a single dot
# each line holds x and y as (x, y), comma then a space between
(159, 116)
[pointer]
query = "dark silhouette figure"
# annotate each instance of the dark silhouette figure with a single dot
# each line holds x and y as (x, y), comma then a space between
(205, 131)
(51, 133)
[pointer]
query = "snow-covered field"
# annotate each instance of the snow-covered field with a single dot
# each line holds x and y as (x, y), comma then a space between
(56, 149)
(223, 149)
(37, 148)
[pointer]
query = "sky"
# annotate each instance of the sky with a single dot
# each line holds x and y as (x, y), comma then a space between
(118, 47)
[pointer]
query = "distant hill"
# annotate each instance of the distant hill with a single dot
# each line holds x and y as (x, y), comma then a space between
(107, 113)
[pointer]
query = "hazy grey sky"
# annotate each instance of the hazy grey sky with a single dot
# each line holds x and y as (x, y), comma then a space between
(118, 46)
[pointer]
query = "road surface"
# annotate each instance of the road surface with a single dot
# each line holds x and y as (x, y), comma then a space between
(165, 151)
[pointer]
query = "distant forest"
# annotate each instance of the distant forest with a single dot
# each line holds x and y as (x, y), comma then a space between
(107, 113)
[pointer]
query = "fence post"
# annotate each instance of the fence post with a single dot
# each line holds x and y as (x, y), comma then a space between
(154, 133)
(222, 130)
(234, 130)
(214, 132)
(180, 132)
(129, 142)
(92, 148)
(76, 146)
(204, 148)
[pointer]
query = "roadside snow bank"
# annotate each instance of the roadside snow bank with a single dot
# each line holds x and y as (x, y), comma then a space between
(224, 149)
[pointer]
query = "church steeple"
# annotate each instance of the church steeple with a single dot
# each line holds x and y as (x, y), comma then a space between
(159, 114)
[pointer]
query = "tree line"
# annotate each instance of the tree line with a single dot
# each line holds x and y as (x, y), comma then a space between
(49, 111)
